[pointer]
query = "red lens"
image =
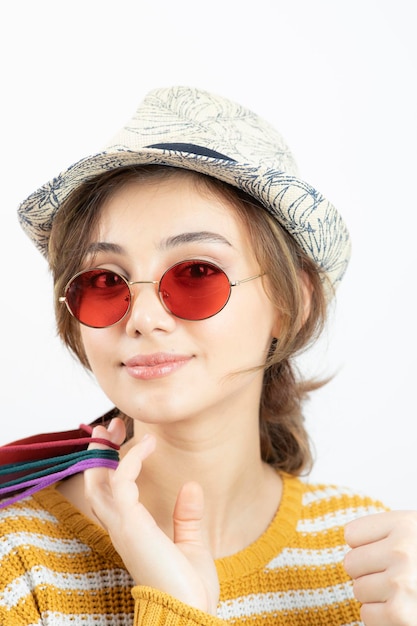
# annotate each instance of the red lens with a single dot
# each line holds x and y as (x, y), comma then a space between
(98, 298)
(194, 290)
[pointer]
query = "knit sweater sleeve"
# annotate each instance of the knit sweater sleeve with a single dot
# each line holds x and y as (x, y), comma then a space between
(155, 608)
(18, 604)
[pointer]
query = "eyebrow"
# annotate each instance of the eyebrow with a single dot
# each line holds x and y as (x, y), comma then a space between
(103, 246)
(202, 236)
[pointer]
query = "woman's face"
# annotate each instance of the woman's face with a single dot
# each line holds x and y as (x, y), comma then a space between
(156, 367)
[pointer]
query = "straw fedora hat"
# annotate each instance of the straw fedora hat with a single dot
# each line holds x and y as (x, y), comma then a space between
(190, 128)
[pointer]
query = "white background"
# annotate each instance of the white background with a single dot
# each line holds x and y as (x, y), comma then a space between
(338, 79)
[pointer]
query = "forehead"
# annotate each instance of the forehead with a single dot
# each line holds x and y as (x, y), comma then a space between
(173, 205)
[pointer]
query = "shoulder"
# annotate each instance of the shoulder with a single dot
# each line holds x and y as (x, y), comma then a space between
(29, 535)
(25, 526)
(25, 513)
(35, 521)
(328, 505)
(318, 537)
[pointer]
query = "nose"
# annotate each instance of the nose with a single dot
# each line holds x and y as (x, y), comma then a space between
(147, 313)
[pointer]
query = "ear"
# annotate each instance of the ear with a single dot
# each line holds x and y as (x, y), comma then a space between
(306, 293)
(276, 329)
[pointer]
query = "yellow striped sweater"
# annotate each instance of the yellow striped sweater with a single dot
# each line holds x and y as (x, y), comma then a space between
(58, 568)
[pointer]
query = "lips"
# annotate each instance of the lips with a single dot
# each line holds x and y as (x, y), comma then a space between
(156, 365)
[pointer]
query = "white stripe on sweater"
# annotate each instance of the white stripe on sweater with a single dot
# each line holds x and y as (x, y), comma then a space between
(334, 520)
(61, 619)
(326, 493)
(297, 600)
(15, 511)
(308, 558)
(8, 544)
(90, 581)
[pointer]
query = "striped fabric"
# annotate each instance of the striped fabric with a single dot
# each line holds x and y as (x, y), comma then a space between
(58, 568)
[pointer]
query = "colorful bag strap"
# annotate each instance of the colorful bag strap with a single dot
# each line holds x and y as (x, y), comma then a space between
(30, 464)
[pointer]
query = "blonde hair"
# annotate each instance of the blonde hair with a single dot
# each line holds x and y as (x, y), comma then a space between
(283, 438)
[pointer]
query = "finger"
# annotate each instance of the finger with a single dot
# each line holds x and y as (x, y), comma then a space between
(388, 613)
(377, 526)
(120, 484)
(367, 559)
(96, 481)
(188, 537)
(123, 479)
(188, 514)
(93, 478)
(371, 589)
(112, 494)
(115, 432)
(374, 614)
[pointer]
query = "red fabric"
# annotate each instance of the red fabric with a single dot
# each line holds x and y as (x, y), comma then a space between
(48, 445)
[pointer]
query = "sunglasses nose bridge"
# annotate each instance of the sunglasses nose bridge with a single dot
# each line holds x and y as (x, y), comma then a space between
(132, 283)
(143, 282)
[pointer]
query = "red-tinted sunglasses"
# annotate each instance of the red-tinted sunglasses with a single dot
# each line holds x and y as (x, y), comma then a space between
(191, 290)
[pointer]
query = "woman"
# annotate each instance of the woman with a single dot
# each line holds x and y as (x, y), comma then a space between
(190, 265)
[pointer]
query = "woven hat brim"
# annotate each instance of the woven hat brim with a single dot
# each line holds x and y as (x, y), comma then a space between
(307, 216)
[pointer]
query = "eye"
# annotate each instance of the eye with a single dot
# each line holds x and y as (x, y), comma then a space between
(103, 279)
(196, 270)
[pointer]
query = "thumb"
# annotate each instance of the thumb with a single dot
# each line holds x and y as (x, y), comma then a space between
(188, 514)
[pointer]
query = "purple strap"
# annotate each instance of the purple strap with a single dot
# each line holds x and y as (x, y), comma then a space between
(32, 486)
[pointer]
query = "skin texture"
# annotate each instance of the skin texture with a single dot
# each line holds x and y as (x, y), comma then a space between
(192, 479)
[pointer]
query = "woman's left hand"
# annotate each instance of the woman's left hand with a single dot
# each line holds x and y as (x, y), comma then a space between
(182, 567)
(383, 566)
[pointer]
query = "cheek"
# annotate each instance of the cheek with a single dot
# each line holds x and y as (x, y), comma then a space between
(95, 341)
(241, 338)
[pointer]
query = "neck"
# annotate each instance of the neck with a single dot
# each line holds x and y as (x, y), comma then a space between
(241, 492)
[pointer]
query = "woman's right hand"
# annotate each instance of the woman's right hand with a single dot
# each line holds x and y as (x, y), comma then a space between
(184, 567)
